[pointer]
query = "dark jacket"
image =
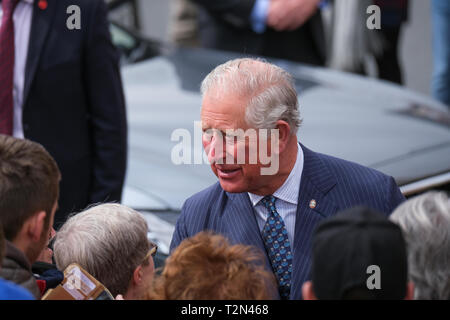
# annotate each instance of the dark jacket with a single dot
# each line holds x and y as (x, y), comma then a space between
(17, 269)
(226, 25)
(333, 183)
(393, 12)
(74, 103)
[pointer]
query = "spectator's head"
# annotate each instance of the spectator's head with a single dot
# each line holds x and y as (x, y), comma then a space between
(29, 189)
(425, 221)
(207, 267)
(250, 119)
(110, 242)
(358, 255)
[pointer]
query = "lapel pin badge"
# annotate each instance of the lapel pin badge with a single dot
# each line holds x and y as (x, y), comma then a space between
(42, 4)
(312, 204)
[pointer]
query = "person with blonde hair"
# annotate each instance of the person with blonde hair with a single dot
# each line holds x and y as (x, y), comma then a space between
(208, 267)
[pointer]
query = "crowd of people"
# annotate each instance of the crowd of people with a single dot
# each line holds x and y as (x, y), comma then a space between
(410, 249)
(317, 228)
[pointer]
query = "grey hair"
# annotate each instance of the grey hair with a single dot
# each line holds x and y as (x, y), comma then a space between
(270, 88)
(109, 241)
(425, 221)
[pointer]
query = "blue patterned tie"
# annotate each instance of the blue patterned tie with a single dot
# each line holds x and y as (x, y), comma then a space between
(278, 247)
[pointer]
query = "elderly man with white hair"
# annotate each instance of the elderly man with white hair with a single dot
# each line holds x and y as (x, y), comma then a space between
(425, 222)
(272, 190)
(110, 242)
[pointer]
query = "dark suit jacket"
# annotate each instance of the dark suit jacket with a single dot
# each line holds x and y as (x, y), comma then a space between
(225, 25)
(74, 104)
(335, 184)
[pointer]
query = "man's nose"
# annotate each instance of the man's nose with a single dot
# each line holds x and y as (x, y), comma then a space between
(215, 150)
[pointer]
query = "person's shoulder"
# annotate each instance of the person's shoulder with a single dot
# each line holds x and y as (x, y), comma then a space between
(356, 184)
(199, 208)
(11, 291)
(205, 197)
(342, 168)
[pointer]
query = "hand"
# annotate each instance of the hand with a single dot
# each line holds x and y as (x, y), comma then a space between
(47, 253)
(287, 15)
(46, 256)
(119, 297)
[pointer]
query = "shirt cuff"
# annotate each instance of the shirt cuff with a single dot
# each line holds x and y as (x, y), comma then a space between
(258, 15)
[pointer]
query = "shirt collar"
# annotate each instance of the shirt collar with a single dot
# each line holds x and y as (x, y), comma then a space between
(288, 192)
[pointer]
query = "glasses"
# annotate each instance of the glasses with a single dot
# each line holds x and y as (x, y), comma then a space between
(151, 252)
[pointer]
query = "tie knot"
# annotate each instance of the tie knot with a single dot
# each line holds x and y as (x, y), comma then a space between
(9, 6)
(269, 201)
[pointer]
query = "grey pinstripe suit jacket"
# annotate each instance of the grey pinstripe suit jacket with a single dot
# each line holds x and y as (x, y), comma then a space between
(334, 183)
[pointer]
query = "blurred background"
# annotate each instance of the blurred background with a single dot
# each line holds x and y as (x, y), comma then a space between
(153, 19)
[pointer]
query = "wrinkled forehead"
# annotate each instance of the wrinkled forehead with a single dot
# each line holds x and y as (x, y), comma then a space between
(223, 112)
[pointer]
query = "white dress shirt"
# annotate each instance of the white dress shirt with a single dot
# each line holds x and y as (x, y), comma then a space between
(22, 25)
(287, 199)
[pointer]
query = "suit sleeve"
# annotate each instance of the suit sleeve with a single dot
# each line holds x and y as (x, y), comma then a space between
(107, 112)
(234, 12)
(180, 232)
(394, 196)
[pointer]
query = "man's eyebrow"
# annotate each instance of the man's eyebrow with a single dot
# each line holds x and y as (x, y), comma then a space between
(223, 132)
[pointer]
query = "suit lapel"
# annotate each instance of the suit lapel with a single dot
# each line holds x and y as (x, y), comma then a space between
(239, 217)
(40, 26)
(316, 181)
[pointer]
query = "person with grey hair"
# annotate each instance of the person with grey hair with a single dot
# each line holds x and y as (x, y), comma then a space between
(425, 221)
(272, 190)
(110, 242)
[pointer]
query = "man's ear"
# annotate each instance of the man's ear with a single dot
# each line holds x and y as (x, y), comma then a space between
(409, 291)
(137, 275)
(35, 225)
(284, 132)
(308, 291)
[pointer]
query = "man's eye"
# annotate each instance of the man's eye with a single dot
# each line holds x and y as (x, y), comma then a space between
(207, 135)
(235, 137)
(229, 138)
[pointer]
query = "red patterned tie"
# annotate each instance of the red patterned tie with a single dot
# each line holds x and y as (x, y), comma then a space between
(7, 66)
